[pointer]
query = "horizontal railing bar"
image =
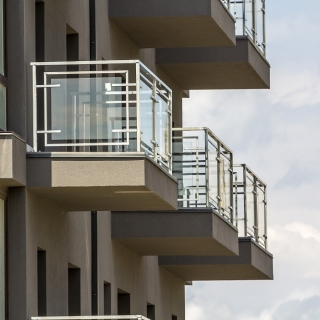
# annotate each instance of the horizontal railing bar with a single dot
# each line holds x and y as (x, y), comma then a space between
(119, 317)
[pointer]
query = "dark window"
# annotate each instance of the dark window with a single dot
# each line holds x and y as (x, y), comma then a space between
(42, 283)
(72, 48)
(107, 299)
(151, 312)
(3, 80)
(123, 302)
(74, 291)
(2, 260)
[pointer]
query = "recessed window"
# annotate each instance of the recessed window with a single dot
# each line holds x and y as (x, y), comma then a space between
(42, 282)
(151, 312)
(2, 262)
(74, 291)
(107, 299)
(123, 302)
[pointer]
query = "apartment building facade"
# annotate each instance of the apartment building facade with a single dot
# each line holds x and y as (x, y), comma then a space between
(108, 205)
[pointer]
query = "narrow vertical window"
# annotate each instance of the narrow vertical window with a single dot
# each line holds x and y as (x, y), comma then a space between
(74, 291)
(123, 302)
(107, 299)
(72, 48)
(151, 312)
(42, 283)
(2, 261)
(3, 81)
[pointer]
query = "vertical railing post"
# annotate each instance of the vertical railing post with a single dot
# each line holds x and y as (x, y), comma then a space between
(206, 138)
(154, 119)
(219, 175)
(138, 106)
(236, 198)
(231, 188)
(170, 131)
(265, 218)
(254, 22)
(243, 16)
(256, 213)
(35, 120)
(127, 109)
(245, 200)
(264, 27)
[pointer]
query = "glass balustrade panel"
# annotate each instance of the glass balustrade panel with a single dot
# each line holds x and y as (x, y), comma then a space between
(88, 111)
(260, 41)
(225, 186)
(250, 206)
(213, 173)
(147, 127)
(261, 213)
(162, 126)
(249, 20)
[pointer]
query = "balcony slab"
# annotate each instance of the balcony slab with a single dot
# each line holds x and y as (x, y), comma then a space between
(12, 160)
(253, 263)
(239, 67)
(174, 23)
(99, 181)
(197, 231)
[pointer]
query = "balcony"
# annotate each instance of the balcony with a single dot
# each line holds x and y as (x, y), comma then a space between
(253, 263)
(107, 124)
(203, 167)
(204, 224)
(243, 66)
(178, 23)
(250, 202)
(12, 160)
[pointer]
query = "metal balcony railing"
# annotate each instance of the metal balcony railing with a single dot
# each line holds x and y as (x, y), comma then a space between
(203, 164)
(250, 205)
(101, 106)
(135, 317)
(250, 20)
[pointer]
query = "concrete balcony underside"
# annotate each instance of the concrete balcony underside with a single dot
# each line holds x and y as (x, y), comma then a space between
(12, 160)
(174, 23)
(184, 232)
(92, 181)
(253, 263)
(239, 67)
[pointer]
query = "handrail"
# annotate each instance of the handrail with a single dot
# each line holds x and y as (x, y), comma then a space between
(119, 317)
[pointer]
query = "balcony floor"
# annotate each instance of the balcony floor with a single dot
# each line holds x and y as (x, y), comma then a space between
(193, 231)
(253, 263)
(93, 181)
(170, 24)
(239, 67)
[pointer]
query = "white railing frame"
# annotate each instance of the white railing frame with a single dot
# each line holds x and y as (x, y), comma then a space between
(140, 68)
(254, 234)
(119, 317)
(221, 145)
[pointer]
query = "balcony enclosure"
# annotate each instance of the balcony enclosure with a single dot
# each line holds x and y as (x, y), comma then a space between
(103, 106)
(250, 20)
(250, 204)
(202, 164)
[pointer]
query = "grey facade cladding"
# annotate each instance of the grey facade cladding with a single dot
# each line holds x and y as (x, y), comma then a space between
(48, 214)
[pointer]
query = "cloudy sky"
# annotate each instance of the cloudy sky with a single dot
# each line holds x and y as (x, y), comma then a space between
(277, 133)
